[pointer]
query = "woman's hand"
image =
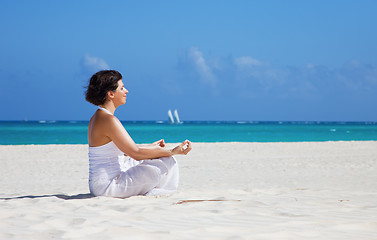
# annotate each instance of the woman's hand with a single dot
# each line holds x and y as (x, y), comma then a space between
(183, 148)
(160, 143)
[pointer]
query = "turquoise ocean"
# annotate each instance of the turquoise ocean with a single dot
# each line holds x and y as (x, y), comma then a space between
(75, 132)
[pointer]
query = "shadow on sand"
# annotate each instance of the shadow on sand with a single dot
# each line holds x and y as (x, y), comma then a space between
(61, 196)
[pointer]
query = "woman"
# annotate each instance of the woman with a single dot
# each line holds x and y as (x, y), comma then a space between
(117, 166)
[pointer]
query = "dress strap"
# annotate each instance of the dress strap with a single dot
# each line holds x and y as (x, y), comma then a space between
(104, 109)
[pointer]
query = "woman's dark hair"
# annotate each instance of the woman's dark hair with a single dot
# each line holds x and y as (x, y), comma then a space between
(100, 83)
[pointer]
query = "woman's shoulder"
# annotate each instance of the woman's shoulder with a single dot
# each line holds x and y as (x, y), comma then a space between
(101, 118)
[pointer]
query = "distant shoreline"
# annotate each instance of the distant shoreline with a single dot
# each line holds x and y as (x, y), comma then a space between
(75, 132)
(202, 121)
(210, 143)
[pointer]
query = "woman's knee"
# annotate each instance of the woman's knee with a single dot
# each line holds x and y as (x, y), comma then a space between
(170, 162)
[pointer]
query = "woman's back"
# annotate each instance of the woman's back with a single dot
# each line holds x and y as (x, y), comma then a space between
(97, 128)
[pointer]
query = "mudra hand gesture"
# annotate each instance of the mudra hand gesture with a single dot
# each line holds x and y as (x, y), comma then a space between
(182, 149)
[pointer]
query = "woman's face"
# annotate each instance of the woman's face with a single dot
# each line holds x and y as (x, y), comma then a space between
(120, 94)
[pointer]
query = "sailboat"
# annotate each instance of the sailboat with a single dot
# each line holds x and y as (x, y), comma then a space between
(170, 115)
(176, 116)
(174, 119)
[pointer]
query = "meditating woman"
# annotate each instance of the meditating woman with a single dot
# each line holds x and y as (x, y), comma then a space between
(117, 166)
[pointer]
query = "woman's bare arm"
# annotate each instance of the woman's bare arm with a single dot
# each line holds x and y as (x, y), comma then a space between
(118, 134)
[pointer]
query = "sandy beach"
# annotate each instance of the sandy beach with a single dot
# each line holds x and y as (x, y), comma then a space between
(307, 190)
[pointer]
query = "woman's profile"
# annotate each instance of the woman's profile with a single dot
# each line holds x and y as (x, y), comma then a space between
(117, 166)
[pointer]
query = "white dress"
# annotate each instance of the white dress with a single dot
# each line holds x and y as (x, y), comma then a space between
(114, 175)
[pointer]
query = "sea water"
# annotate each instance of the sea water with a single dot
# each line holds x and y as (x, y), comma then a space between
(75, 132)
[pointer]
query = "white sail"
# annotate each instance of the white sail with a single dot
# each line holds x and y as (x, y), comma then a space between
(176, 116)
(171, 119)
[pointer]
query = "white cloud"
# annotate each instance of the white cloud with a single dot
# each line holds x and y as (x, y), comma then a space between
(371, 77)
(251, 69)
(90, 64)
(249, 76)
(358, 76)
(309, 66)
(246, 62)
(197, 59)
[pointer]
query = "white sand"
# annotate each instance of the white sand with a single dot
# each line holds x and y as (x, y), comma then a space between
(273, 190)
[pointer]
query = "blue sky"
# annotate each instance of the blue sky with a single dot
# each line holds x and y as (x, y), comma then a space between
(212, 60)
